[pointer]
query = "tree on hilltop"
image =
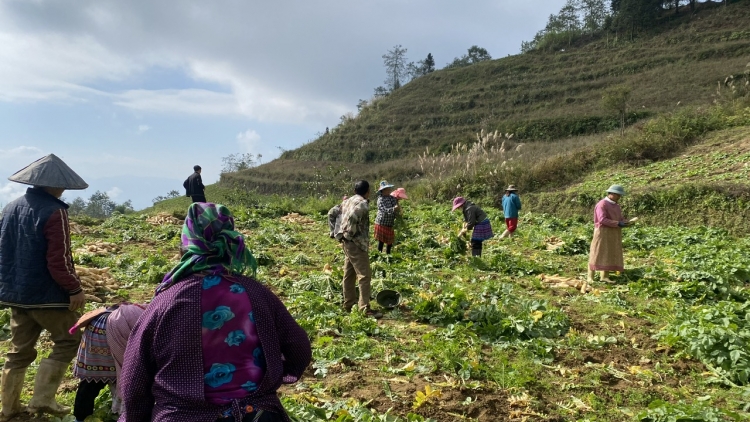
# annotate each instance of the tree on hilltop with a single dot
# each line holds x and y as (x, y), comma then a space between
(474, 55)
(635, 14)
(421, 68)
(395, 68)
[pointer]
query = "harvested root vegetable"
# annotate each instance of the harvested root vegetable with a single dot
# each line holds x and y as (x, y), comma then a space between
(94, 298)
(97, 281)
(98, 248)
(162, 219)
(297, 219)
(554, 243)
(77, 228)
(557, 282)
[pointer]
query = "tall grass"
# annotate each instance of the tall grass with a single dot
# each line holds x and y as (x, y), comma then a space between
(539, 167)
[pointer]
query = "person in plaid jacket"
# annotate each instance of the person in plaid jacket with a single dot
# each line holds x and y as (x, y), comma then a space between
(354, 235)
(388, 208)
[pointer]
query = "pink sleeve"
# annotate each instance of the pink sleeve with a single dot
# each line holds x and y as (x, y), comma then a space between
(601, 216)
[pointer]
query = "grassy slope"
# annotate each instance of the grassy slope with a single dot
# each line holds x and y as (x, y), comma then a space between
(538, 96)
(706, 184)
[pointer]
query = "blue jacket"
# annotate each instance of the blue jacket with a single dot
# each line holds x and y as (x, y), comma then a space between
(511, 205)
(36, 265)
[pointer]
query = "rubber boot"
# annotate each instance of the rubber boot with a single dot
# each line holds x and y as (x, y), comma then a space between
(476, 252)
(48, 379)
(11, 387)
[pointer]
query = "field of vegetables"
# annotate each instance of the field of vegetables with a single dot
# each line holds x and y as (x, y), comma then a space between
(483, 339)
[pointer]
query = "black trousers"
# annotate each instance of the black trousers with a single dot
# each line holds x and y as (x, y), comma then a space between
(476, 248)
(198, 198)
(85, 398)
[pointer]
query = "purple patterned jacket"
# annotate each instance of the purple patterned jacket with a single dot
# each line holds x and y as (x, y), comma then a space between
(162, 376)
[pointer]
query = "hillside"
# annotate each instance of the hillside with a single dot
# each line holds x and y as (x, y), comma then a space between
(707, 184)
(540, 97)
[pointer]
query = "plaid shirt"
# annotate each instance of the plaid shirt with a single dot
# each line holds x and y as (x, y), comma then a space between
(355, 222)
(386, 211)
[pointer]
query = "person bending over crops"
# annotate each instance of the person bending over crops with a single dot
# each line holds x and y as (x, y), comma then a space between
(476, 220)
(511, 206)
(354, 235)
(39, 283)
(100, 354)
(386, 217)
(606, 247)
(213, 345)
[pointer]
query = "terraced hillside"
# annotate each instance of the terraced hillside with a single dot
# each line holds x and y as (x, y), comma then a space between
(540, 97)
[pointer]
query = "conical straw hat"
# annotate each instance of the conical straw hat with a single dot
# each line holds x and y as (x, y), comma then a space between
(51, 172)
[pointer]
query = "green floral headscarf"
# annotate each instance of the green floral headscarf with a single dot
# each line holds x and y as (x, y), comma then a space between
(211, 244)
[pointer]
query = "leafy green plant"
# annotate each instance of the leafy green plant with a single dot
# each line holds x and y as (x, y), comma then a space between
(718, 335)
(661, 411)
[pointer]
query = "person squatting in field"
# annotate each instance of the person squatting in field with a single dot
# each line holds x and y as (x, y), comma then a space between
(213, 345)
(354, 234)
(511, 206)
(39, 283)
(606, 247)
(475, 220)
(101, 353)
(385, 219)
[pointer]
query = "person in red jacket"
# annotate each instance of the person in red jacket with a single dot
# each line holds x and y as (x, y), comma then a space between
(39, 283)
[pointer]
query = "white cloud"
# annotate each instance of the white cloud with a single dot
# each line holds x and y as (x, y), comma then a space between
(11, 191)
(180, 101)
(54, 67)
(267, 61)
(114, 193)
(143, 128)
(20, 151)
(249, 140)
(14, 159)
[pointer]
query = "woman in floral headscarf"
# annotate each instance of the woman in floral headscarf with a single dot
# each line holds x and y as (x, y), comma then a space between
(213, 345)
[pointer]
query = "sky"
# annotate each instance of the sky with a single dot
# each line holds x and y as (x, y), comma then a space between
(131, 94)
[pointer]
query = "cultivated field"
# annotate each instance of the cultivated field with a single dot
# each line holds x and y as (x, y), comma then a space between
(483, 339)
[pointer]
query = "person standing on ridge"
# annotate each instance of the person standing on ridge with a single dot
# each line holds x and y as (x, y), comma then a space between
(511, 205)
(38, 281)
(354, 235)
(606, 247)
(194, 186)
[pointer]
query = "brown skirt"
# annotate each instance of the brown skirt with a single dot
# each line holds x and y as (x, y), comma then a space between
(606, 250)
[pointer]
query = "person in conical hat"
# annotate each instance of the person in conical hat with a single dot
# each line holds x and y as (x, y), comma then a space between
(38, 281)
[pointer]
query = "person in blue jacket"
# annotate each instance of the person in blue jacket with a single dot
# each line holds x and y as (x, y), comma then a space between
(511, 206)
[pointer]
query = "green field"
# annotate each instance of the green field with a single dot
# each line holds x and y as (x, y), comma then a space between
(486, 339)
